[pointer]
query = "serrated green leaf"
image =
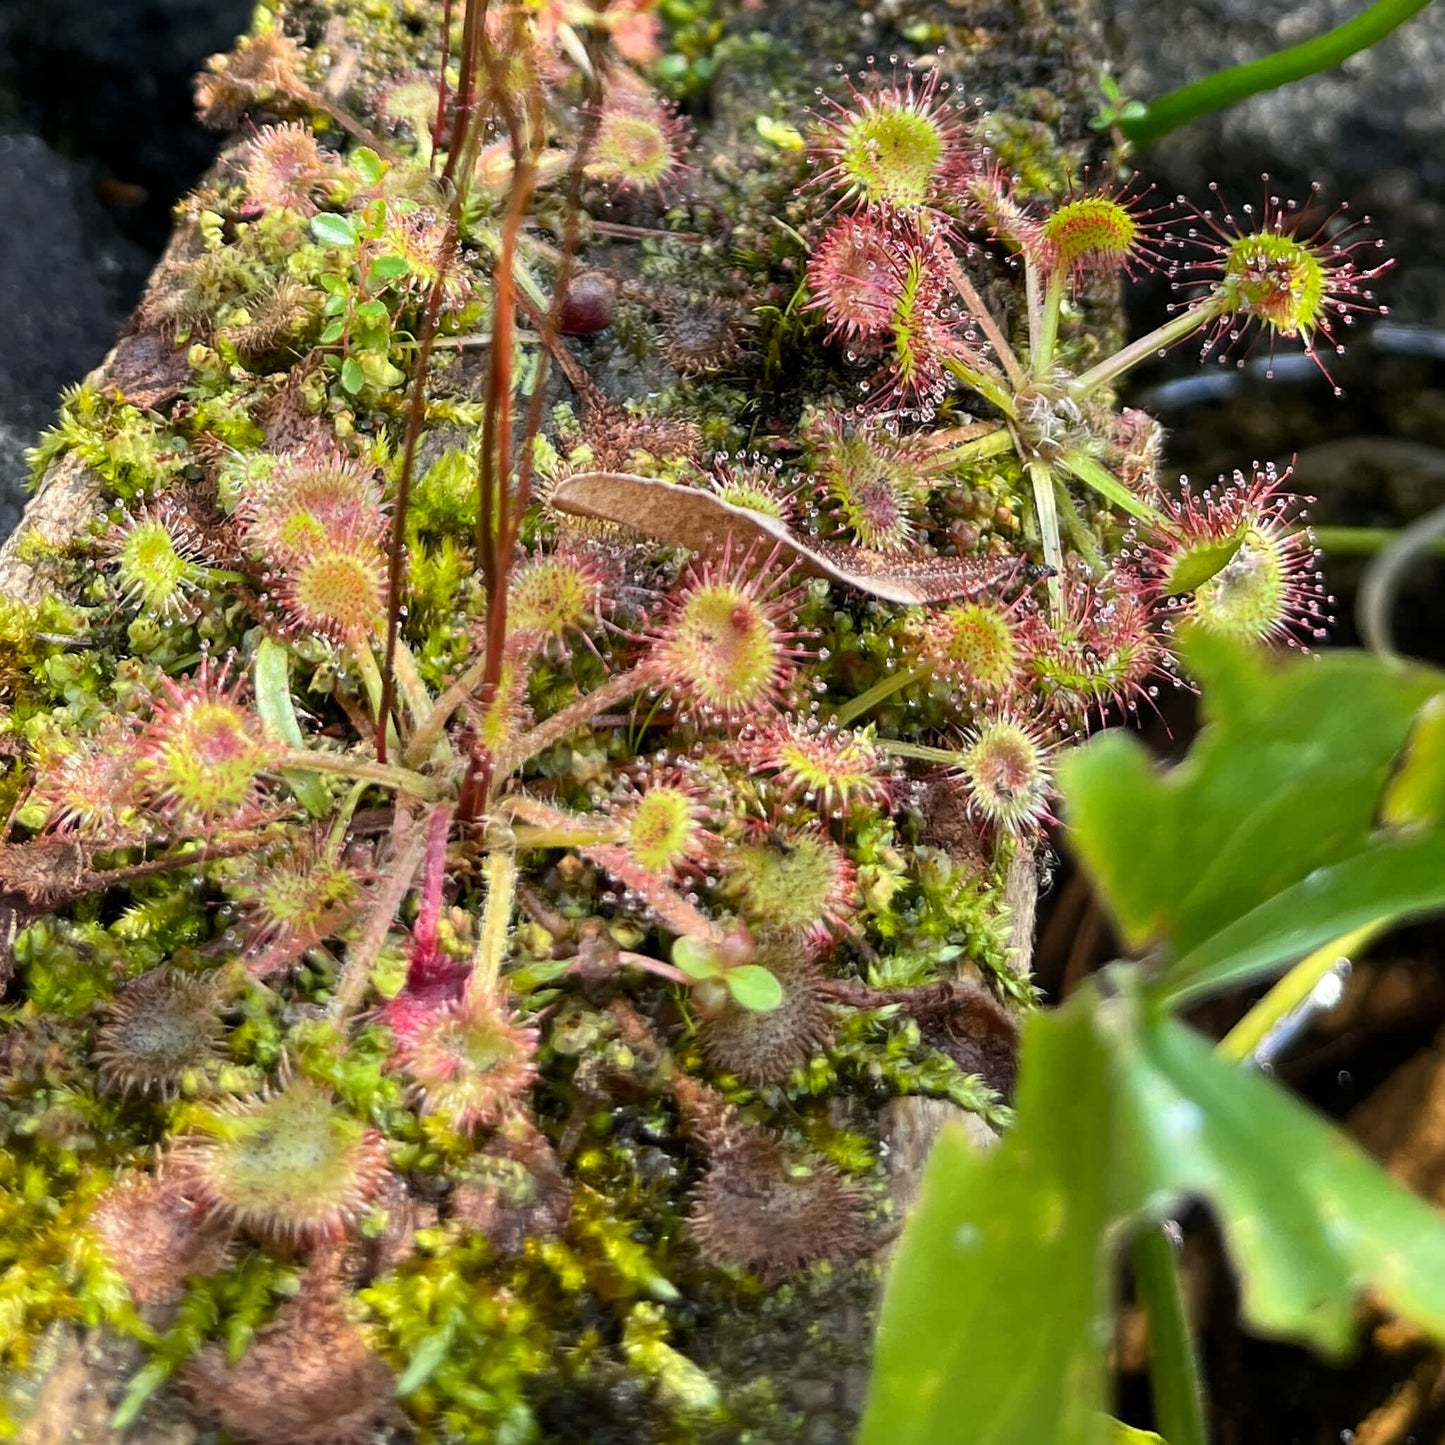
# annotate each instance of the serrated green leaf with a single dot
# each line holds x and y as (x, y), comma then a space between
(332, 229)
(1265, 842)
(754, 987)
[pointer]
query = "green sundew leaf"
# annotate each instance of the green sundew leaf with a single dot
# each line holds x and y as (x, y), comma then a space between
(1266, 841)
(754, 987)
(271, 679)
(1310, 1220)
(333, 230)
(997, 1308)
(696, 957)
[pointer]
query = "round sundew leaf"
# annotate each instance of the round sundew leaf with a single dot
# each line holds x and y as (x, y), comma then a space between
(753, 987)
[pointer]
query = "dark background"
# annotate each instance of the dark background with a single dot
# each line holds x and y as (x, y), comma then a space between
(97, 140)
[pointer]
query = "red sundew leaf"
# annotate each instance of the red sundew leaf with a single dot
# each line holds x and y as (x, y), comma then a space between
(690, 517)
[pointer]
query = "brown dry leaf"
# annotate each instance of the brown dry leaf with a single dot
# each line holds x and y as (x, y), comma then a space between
(690, 517)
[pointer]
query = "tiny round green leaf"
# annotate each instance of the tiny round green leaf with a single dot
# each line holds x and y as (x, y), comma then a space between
(753, 987)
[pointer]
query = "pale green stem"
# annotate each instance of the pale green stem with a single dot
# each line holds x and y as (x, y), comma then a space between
(408, 840)
(866, 701)
(990, 328)
(408, 680)
(1074, 529)
(500, 871)
(1047, 340)
(919, 752)
(1094, 474)
(1160, 339)
(1041, 475)
(336, 838)
(371, 680)
(530, 836)
(992, 445)
(990, 388)
(1173, 1364)
(429, 733)
(526, 282)
(1033, 304)
(210, 576)
(1290, 993)
(387, 774)
(1358, 541)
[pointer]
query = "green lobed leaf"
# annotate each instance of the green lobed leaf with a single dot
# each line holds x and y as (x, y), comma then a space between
(997, 1306)
(1310, 1220)
(1266, 841)
(998, 1311)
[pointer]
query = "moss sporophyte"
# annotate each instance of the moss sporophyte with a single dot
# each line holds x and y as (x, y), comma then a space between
(485, 857)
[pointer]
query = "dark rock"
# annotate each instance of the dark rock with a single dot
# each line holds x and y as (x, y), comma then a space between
(65, 282)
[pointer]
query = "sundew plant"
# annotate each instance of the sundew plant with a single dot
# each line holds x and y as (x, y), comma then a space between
(489, 848)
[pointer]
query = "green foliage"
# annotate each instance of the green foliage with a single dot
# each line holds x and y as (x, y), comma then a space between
(1267, 839)
(1268, 842)
(1145, 123)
